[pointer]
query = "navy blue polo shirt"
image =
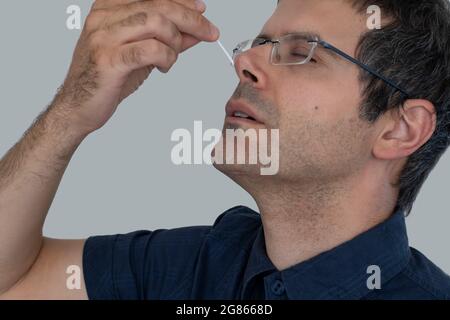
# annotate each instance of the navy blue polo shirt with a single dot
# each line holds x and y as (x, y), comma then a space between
(228, 260)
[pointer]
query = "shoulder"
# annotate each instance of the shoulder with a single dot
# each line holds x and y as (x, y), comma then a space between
(425, 274)
(420, 279)
(118, 266)
(228, 222)
(237, 214)
(239, 220)
(236, 223)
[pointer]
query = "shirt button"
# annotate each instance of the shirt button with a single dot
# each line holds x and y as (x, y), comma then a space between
(278, 287)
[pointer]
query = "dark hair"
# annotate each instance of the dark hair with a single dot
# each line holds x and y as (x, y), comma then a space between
(413, 49)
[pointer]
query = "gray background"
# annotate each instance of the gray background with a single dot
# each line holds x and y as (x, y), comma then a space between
(121, 178)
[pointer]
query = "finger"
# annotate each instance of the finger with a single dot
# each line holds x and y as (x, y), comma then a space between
(143, 26)
(188, 42)
(101, 11)
(146, 53)
(187, 20)
(111, 6)
(105, 4)
(198, 5)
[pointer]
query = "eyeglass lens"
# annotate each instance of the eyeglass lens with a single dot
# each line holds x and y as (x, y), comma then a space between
(290, 49)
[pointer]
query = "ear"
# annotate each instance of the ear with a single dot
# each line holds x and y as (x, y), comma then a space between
(405, 130)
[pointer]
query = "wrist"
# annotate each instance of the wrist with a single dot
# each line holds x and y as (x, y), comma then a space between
(61, 121)
(55, 134)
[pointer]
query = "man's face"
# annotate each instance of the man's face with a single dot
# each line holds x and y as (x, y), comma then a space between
(315, 106)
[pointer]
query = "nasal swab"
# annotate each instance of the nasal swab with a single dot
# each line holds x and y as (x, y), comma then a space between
(226, 52)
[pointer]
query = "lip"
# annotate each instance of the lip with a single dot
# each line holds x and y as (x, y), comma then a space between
(239, 106)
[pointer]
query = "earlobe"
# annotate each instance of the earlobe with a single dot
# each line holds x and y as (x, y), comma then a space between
(406, 130)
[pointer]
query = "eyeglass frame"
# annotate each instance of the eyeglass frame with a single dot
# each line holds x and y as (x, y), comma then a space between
(328, 46)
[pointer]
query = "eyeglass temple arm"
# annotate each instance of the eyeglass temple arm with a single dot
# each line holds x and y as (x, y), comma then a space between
(371, 71)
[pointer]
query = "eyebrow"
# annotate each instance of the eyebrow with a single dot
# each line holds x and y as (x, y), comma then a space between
(306, 34)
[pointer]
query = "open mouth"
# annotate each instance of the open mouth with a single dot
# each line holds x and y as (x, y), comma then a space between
(243, 115)
(241, 118)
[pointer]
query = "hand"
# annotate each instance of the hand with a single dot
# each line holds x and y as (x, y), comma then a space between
(121, 43)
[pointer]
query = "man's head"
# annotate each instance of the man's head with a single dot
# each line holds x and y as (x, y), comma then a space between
(339, 123)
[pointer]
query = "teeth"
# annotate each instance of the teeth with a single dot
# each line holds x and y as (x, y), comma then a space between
(241, 114)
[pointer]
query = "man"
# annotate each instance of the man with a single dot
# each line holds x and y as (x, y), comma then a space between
(362, 117)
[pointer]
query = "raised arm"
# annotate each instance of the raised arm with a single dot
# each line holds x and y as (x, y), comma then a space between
(121, 43)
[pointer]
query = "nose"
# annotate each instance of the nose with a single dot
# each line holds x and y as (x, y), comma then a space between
(250, 66)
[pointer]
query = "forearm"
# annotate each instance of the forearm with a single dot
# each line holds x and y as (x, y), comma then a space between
(30, 174)
(119, 46)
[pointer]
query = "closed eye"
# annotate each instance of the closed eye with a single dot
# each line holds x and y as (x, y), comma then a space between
(295, 54)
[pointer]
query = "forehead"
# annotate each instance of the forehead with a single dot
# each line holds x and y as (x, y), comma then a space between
(334, 20)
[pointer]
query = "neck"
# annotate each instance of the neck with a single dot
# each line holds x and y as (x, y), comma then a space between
(302, 221)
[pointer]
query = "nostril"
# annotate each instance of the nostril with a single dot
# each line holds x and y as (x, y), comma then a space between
(250, 75)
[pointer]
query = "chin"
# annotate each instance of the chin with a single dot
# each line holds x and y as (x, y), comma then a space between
(238, 169)
(230, 166)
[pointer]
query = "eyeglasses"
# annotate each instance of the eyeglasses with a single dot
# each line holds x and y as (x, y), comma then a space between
(294, 49)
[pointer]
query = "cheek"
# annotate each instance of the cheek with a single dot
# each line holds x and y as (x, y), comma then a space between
(333, 90)
(317, 98)
(302, 104)
(322, 134)
(297, 98)
(328, 148)
(313, 105)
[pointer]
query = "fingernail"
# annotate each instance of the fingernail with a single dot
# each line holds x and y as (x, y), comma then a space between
(200, 5)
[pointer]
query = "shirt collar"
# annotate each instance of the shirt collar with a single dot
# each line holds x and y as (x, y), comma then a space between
(342, 272)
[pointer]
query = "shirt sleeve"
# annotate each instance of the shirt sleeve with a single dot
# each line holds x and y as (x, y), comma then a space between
(142, 264)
